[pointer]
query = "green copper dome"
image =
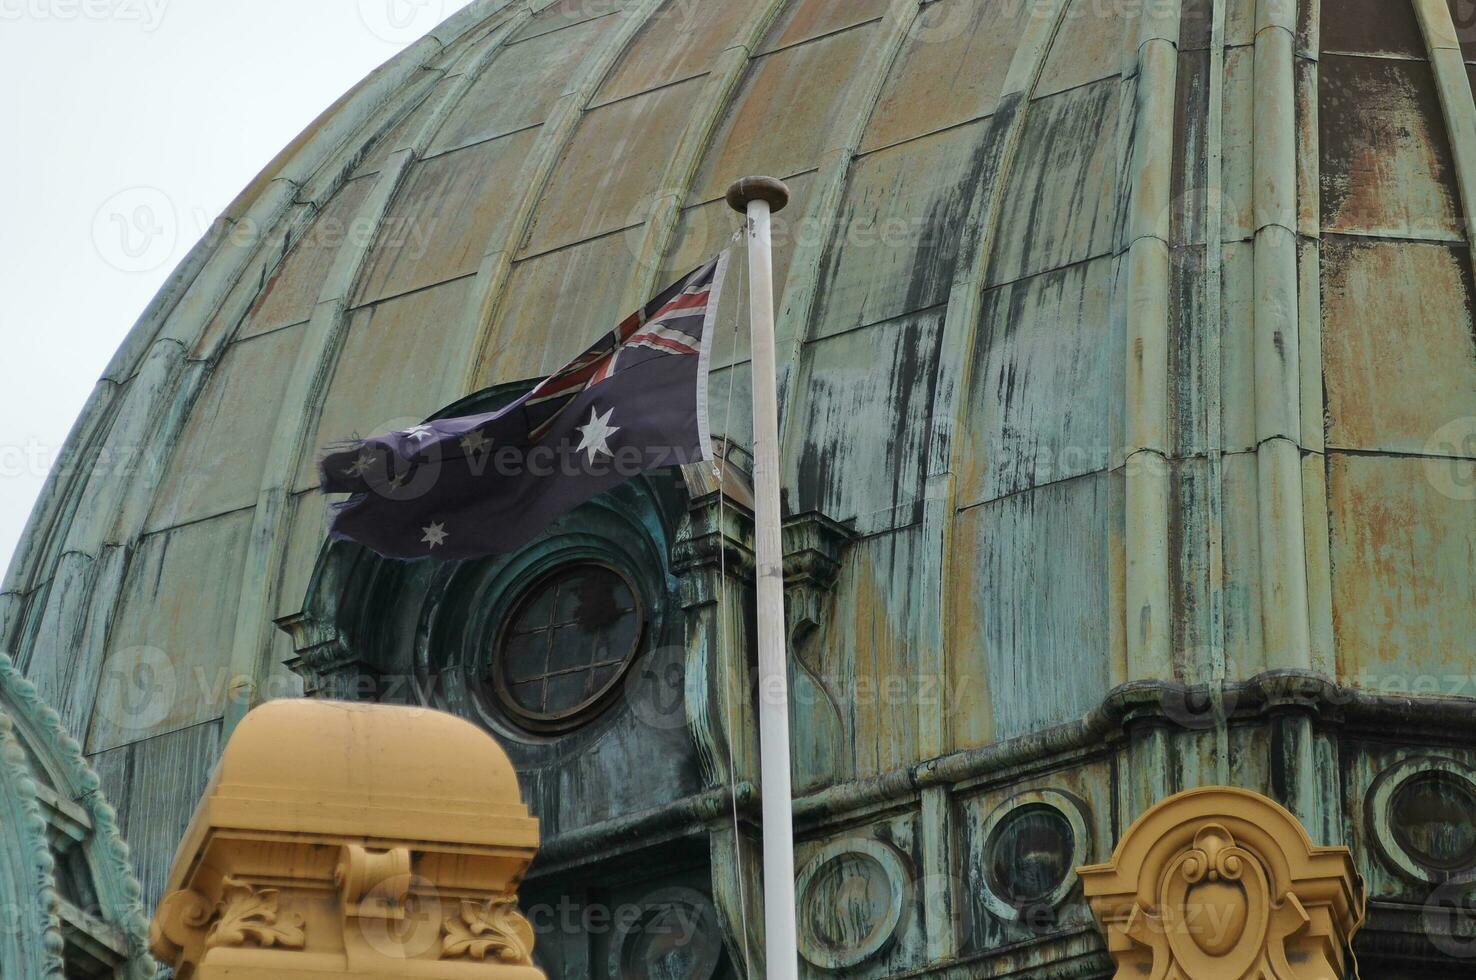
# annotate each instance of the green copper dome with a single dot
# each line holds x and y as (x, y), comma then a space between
(1130, 342)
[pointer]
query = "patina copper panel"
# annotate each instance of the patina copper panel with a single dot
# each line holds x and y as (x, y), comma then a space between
(1398, 348)
(1038, 338)
(1386, 161)
(555, 306)
(611, 171)
(1030, 617)
(217, 464)
(563, 14)
(1060, 204)
(164, 631)
(862, 422)
(492, 107)
(1404, 594)
(975, 41)
(451, 208)
(404, 338)
(681, 40)
(809, 81)
(867, 655)
(402, 132)
(1376, 27)
(1463, 16)
(804, 20)
(289, 295)
(1089, 46)
(897, 240)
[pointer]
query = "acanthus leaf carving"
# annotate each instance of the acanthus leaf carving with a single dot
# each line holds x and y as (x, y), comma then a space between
(247, 914)
(493, 927)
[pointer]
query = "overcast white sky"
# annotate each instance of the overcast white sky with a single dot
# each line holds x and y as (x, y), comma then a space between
(154, 111)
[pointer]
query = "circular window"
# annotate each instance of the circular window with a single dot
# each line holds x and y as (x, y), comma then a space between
(1422, 812)
(1033, 842)
(1030, 854)
(567, 644)
(1431, 819)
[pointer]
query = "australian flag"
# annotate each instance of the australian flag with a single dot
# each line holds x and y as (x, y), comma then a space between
(484, 484)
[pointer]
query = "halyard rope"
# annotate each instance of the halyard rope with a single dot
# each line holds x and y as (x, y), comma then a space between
(720, 472)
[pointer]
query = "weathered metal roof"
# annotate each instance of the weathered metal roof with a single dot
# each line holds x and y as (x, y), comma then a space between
(1126, 355)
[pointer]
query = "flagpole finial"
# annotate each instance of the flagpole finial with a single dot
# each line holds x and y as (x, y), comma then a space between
(770, 189)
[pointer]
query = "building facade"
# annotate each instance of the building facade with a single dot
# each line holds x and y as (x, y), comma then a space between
(1128, 382)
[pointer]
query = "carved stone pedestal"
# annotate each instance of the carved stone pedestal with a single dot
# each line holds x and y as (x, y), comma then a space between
(1225, 884)
(352, 840)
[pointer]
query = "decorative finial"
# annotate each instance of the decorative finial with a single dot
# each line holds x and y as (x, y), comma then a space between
(770, 189)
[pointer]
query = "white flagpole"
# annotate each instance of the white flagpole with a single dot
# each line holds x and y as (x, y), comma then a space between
(758, 197)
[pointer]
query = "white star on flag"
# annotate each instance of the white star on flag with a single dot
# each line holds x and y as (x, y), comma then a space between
(361, 464)
(434, 535)
(596, 434)
(474, 442)
(420, 432)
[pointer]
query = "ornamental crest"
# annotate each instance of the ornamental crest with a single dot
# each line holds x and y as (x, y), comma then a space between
(1223, 884)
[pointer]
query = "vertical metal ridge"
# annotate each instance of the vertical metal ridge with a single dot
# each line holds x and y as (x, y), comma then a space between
(718, 92)
(802, 284)
(489, 290)
(1456, 100)
(312, 375)
(960, 332)
(1212, 375)
(1285, 619)
(1146, 406)
(1323, 657)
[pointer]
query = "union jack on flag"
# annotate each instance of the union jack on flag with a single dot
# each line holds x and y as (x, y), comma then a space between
(672, 323)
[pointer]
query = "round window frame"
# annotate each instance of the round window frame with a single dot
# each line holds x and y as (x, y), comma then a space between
(1075, 816)
(1379, 813)
(591, 708)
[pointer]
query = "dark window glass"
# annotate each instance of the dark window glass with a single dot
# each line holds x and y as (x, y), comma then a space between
(566, 645)
(1030, 854)
(1432, 817)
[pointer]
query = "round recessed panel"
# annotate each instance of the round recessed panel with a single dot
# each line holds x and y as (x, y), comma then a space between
(675, 937)
(850, 896)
